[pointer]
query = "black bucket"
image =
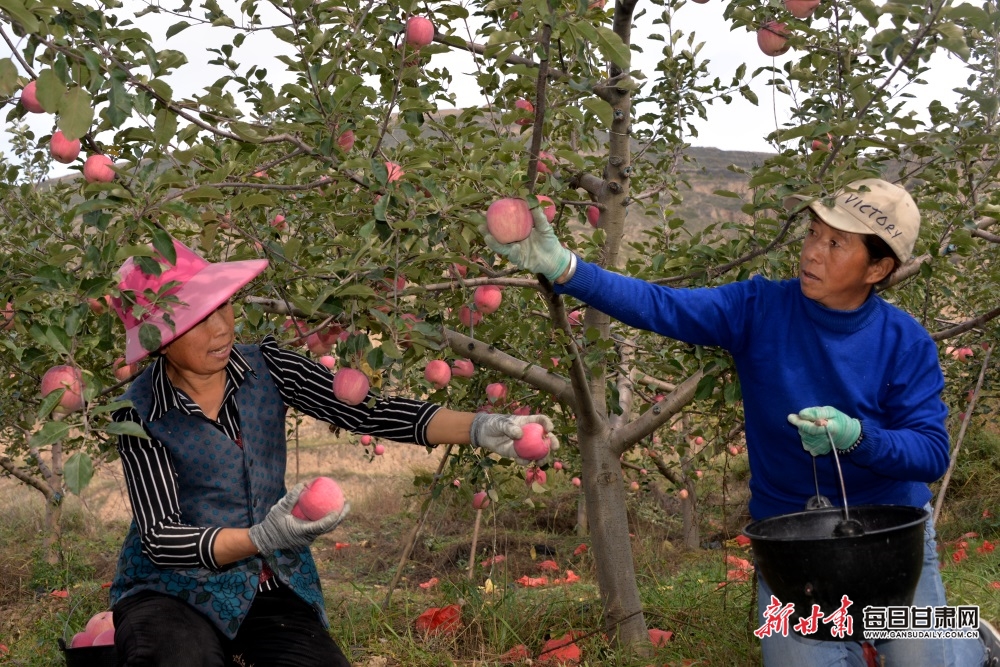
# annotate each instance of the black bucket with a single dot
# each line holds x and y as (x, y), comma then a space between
(89, 656)
(805, 564)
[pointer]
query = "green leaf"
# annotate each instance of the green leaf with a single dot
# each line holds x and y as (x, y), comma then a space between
(51, 432)
(8, 77)
(601, 109)
(149, 337)
(119, 103)
(76, 113)
(176, 28)
(49, 89)
(165, 127)
(612, 47)
(78, 472)
(19, 12)
(134, 429)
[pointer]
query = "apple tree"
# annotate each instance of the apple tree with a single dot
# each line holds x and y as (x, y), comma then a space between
(343, 161)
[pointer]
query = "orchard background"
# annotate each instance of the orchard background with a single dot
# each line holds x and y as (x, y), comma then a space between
(366, 191)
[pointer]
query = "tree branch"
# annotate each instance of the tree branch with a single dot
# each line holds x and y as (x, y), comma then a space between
(479, 49)
(490, 357)
(656, 416)
(966, 325)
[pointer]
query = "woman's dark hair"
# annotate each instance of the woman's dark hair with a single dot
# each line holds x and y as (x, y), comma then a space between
(878, 249)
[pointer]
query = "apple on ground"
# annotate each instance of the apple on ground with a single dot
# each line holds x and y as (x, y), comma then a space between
(438, 373)
(575, 481)
(350, 386)
(487, 299)
(509, 220)
(419, 31)
(63, 150)
(457, 483)
(682, 494)
(64, 377)
(772, 38)
(558, 465)
(634, 486)
(321, 496)
(98, 168)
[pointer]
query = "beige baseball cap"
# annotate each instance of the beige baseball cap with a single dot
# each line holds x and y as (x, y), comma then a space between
(870, 206)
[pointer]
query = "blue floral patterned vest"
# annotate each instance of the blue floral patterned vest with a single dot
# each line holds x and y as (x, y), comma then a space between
(221, 484)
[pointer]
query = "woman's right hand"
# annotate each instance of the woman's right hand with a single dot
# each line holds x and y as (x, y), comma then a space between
(281, 530)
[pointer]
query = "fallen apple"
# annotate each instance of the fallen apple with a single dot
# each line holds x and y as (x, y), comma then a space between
(575, 481)
(682, 494)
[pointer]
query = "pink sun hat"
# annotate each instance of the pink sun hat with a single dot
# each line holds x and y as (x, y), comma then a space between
(202, 286)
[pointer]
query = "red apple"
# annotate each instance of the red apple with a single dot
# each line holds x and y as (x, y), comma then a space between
(317, 345)
(699, 441)
(379, 450)
(509, 220)
(522, 411)
(534, 474)
(487, 298)
(576, 318)
(350, 386)
(124, 371)
(438, 373)
(824, 146)
(100, 622)
(496, 391)
(394, 171)
(698, 474)
(772, 38)
(29, 98)
(545, 160)
(321, 496)
(801, 9)
(279, 222)
(469, 317)
(533, 443)
(419, 31)
(346, 140)
(63, 150)
(480, 500)
(962, 353)
(682, 494)
(734, 450)
(575, 481)
(366, 440)
(463, 368)
(593, 215)
(548, 206)
(98, 168)
(7, 317)
(634, 486)
(558, 465)
(528, 108)
(460, 269)
(68, 378)
(81, 640)
(99, 306)
(106, 638)
(328, 361)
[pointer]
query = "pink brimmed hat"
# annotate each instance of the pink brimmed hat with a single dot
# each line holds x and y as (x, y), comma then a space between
(202, 287)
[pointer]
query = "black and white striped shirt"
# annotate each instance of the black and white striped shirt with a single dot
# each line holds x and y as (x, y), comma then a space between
(303, 384)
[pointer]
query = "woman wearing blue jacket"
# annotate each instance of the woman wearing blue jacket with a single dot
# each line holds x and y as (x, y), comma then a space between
(822, 348)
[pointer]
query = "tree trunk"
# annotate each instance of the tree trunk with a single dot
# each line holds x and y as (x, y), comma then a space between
(582, 526)
(53, 531)
(689, 511)
(604, 488)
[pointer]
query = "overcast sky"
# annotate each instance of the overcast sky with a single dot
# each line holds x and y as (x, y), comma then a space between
(737, 126)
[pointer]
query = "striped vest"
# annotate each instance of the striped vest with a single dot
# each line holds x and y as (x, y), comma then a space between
(221, 484)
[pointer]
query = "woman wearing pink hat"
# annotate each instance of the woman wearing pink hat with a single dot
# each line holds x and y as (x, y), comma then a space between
(822, 348)
(215, 570)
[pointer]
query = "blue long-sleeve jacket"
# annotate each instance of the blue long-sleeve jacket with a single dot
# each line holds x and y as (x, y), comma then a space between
(875, 363)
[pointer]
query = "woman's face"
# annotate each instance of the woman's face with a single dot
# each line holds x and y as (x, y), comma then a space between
(835, 268)
(204, 349)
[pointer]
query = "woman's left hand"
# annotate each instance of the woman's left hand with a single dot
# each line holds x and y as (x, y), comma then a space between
(497, 433)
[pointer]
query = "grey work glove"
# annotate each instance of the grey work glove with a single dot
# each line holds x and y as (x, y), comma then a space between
(814, 423)
(542, 252)
(497, 433)
(281, 530)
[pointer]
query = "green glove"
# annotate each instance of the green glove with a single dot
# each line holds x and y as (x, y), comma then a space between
(845, 431)
(542, 252)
